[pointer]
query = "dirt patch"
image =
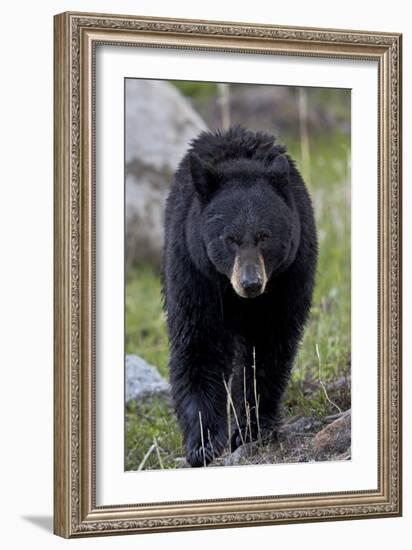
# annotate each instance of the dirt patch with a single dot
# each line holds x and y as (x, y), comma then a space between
(303, 439)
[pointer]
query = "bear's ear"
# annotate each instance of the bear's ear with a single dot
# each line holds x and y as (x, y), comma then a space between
(204, 176)
(279, 169)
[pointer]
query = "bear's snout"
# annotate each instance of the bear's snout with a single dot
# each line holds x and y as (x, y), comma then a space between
(249, 274)
(251, 280)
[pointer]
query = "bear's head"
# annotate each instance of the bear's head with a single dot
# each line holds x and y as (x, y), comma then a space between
(249, 223)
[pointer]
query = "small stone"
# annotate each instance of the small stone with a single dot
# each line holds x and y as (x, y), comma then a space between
(234, 458)
(143, 380)
(304, 424)
(334, 438)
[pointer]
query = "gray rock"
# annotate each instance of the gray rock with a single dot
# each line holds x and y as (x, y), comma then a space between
(335, 438)
(143, 380)
(303, 425)
(160, 123)
(241, 452)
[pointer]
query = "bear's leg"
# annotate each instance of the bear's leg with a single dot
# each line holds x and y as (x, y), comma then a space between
(197, 374)
(266, 373)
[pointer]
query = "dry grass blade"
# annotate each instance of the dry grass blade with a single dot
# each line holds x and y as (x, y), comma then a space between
(322, 384)
(146, 456)
(202, 439)
(159, 458)
(234, 411)
(228, 417)
(211, 444)
(256, 395)
(247, 409)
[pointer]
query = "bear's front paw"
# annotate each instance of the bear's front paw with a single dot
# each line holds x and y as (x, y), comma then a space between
(201, 455)
(263, 433)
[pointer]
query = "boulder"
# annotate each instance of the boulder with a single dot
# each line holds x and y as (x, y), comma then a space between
(335, 439)
(274, 109)
(143, 380)
(160, 123)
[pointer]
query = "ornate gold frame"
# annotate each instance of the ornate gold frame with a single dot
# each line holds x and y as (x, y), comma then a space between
(75, 38)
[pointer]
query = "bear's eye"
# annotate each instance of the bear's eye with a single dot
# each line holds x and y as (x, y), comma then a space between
(232, 240)
(262, 236)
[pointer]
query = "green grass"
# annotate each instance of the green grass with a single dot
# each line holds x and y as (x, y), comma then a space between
(328, 330)
(195, 90)
(145, 322)
(152, 423)
(329, 325)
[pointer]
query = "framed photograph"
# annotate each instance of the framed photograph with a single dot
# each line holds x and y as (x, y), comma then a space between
(227, 274)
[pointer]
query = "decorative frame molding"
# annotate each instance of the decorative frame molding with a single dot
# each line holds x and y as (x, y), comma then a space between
(75, 38)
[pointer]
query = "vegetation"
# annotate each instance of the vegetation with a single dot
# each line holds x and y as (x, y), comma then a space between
(324, 356)
(195, 90)
(152, 423)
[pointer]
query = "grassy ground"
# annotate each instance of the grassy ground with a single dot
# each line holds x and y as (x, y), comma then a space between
(324, 356)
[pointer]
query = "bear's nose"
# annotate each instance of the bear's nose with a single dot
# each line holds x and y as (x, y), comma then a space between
(251, 282)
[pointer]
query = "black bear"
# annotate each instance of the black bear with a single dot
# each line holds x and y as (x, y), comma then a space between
(238, 274)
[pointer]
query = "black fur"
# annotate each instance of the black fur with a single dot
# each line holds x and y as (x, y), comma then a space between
(234, 191)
